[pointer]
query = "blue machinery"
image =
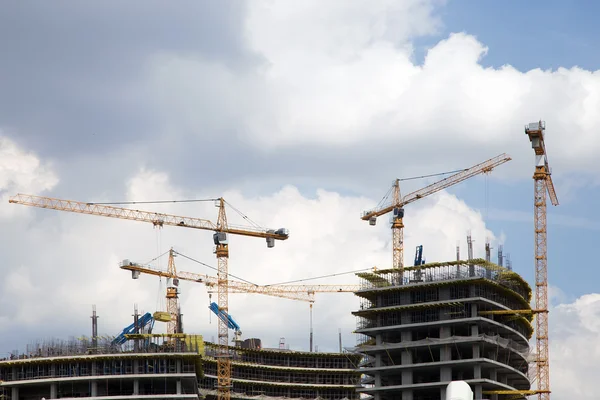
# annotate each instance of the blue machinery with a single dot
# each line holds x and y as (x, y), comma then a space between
(419, 260)
(229, 321)
(146, 320)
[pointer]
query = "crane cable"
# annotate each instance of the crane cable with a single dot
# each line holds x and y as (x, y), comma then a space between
(322, 276)
(150, 202)
(211, 267)
(387, 195)
(281, 283)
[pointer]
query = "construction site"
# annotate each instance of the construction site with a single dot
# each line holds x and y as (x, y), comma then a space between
(419, 327)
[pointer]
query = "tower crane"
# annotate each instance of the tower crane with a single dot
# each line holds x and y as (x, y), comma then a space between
(221, 229)
(172, 294)
(542, 183)
(293, 292)
(397, 204)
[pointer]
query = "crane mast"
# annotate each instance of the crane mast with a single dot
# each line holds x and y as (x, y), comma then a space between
(220, 229)
(397, 205)
(172, 294)
(542, 184)
(223, 358)
(398, 233)
(286, 291)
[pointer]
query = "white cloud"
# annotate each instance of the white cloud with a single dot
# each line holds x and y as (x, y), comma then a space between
(347, 83)
(21, 171)
(575, 348)
(76, 259)
(340, 75)
(76, 256)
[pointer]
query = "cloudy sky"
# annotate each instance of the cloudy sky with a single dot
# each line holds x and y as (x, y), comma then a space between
(300, 114)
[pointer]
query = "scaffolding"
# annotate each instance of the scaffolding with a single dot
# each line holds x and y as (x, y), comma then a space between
(276, 358)
(156, 343)
(63, 368)
(286, 374)
(443, 321)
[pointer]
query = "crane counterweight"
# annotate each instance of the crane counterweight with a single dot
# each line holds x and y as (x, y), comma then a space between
(396, 206)
(220, 228)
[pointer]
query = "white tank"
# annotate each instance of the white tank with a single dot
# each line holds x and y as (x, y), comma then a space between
(459, 390)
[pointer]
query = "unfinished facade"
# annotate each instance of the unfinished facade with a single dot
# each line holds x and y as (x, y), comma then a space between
(284, 374)
(429, 326)
(68, 369)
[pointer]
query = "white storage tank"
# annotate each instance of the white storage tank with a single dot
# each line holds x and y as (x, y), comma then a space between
(459, 390)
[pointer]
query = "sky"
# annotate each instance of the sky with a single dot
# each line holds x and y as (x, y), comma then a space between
(301, 115)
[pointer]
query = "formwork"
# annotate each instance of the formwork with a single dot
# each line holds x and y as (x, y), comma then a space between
(54, 369)
(420, 332)
(285, 374)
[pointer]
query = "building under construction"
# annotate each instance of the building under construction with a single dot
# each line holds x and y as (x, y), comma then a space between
(280, 373)
(433, 323)
(175, 366)
(57, 369)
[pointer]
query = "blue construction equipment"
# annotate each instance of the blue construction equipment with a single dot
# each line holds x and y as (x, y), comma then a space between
(146, 320)
(419, 260)
(231, 324)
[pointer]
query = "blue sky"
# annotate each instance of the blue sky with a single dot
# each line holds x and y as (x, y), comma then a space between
(527, 34)
(301, 114)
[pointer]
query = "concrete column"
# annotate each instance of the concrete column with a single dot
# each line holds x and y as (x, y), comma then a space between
(446, 353)
(477, 392)
(53, 390)
(94, 383)
(377, 376)
(407, 375)
(379, 339)
(494, 374)
(178, 386)
(407, 395)
(406, 336)
(474, 311)
(445, 374)
(178, 368)
(477, 371)
(14, 393)
(445, 332)
(136, 386)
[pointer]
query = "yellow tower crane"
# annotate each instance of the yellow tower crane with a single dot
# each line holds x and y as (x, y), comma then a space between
(220, 229)
(286, 291)
(397, 204)
(543, 183)
(172, 295)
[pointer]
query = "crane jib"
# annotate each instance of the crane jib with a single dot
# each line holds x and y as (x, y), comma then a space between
(481, 168)
(156, 219)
